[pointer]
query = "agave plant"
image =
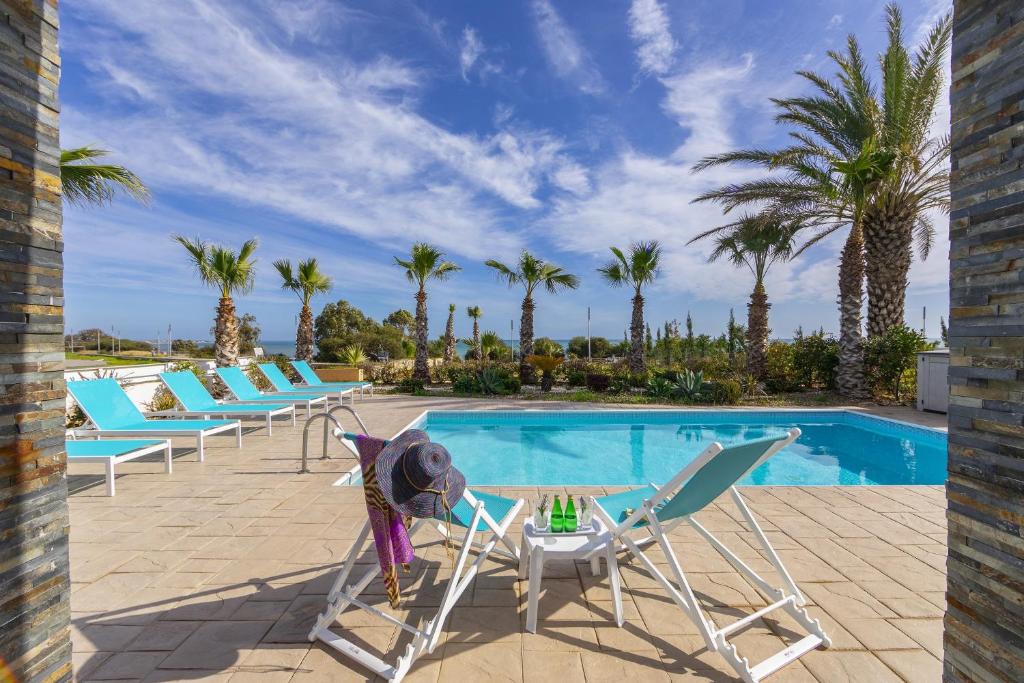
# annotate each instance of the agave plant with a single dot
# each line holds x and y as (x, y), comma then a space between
(490, 381)
(352, 355)
(659, 387)
(689, 384)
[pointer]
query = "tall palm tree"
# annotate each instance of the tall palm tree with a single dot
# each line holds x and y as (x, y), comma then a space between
(231, 273)
(474, 312)
(916, 179)
(639, 269)
(86, 183)
(306, 281)
(425, 263)
(823, 181)
(531, 272)
(756, 242)
(449, 335)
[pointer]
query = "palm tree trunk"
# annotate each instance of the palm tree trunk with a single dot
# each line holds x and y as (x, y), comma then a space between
(449, 338)
(421, 369)
(757, 331)
(888, 238)
(637, 362)
(526, 373)
(225, 334)
(478, 353)
(304, 335)
(850, 373)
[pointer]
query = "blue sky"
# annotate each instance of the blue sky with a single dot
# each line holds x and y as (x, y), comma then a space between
(349, 130)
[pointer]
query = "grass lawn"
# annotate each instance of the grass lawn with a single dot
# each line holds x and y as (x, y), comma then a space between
(110, 360)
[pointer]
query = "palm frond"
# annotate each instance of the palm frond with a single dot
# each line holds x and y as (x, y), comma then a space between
(84, 183)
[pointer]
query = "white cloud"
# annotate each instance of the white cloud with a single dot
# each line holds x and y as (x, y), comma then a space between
(835, 22)
(470, 49)
(567, 57)
(700, 100)
(649, 27)
(236, 117)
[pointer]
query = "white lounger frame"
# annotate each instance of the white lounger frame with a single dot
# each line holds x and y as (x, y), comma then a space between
(228, 413)
(110, 460)
(788, 597)
(200, 434)
(343, 594)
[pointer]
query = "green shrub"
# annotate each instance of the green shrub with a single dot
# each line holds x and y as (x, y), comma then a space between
(513, 385)
(890, 360)
(780, 372)
(576, 378)
(723, 391)
(596, 382)
(815, 358)
(410, 385)
(465, 383)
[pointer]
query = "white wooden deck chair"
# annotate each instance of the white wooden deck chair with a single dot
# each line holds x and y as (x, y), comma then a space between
(469, 514)
(657, 510)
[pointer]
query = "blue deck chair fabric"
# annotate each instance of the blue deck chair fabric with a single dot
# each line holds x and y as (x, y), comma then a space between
(496, 506)
(280, 382)
(310, 377)
(110, 409)
(107, 449)
(244, 390)
(191, 393)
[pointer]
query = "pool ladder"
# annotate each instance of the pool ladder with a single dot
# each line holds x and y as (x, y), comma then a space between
(329, 419)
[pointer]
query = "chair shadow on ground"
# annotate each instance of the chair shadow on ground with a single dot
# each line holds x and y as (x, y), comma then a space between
(219, 626)
(83, 483)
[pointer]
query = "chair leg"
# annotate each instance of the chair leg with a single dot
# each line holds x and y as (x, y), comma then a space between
(238, 429)
(110, 476)
(202, 455)
(270, 425)
(293, 416)
(536, 569)
(169, 459)
(613, 581)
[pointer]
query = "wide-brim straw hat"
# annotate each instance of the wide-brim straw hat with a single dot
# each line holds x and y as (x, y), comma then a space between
(417, 478)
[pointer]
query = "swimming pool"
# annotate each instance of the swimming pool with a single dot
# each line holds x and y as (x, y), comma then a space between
(621, 448)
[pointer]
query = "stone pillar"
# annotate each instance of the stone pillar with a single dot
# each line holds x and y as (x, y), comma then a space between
(35, 589)
(984, 638)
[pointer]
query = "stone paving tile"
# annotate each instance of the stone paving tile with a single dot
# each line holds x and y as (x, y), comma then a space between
(217, 571)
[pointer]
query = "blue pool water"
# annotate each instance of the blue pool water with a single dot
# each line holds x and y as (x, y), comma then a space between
(581, 448)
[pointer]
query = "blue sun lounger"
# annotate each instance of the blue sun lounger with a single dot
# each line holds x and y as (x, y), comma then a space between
(282, 385)
(244, 390)
(114, 452)
(113, 414)
(196, 400)
(312, 381)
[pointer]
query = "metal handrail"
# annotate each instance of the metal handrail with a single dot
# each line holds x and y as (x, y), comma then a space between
(328, 417)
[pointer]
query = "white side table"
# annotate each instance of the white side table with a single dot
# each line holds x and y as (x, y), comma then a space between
(535, 548)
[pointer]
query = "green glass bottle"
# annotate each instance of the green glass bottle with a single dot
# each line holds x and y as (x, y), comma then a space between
(557, 518)
(569, 518)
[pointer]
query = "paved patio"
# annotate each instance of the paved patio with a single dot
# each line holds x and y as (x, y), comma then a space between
(216, 572)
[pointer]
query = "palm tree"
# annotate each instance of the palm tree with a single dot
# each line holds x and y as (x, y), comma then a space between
(756, 242)
(531, 272)
(231, 273)
(639, 269)
(474, 312)
(449, 335)
(306, 282)
(84, 183)
(823, 181)
(426, 263)
(916, 179)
